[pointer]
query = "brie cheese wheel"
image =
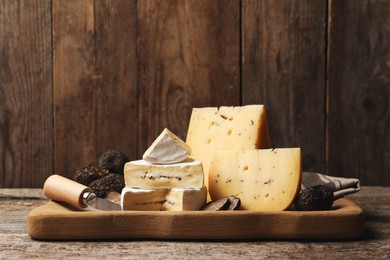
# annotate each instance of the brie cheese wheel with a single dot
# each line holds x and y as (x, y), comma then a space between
(142, 174)
(166, 149)
(163, 199)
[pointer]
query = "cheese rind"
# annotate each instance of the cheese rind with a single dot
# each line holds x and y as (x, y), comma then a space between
(142, 174)
(163, 199)
(264, 180)
(167, 149)
(235, 128)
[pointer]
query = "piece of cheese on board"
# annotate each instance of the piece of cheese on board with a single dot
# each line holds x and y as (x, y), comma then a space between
(142, 174)
(233, 128)
(163, 199)
(264, 180)
(167, 149)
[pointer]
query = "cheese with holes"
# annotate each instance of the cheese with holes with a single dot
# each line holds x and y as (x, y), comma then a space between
(264, 180)
(166, 149)
(233, 128)
(163, 199)
(142, 174)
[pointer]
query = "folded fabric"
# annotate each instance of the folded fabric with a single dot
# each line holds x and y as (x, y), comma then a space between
(340, 186)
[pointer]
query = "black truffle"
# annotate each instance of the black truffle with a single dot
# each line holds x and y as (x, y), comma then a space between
(87, 174)
(226, 203)
(221, 204)
(318, 197)
(113, 160)
(235, 203)
(108, 183)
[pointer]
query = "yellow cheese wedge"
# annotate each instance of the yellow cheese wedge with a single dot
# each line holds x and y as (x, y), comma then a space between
(163, 199)
(233, 128)
(142, 174)
(264, 180)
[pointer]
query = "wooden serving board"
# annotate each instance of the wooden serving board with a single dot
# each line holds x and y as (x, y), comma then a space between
(55, 221)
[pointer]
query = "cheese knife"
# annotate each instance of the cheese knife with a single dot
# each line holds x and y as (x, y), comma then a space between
(59, 188)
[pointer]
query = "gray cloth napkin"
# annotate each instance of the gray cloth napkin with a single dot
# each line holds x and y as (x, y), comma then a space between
(339, 186)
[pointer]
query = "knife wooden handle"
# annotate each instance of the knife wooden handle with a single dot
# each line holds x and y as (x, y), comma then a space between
(62, 189)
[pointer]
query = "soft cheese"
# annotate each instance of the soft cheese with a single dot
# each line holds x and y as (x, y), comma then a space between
(264, 180)
(142, 174)
(233, 128)
(166, 149)
(163, 199)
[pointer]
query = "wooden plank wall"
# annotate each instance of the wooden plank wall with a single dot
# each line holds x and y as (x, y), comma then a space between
(80, 77)
(94, 81)
(26, 114)
(359, 90)
(283, 54)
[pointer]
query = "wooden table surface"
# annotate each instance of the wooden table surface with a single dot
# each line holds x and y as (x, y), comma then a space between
(15, 243)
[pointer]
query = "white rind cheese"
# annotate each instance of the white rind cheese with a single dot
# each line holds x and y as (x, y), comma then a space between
(234, 128)
(142, 174)
(167, 149)
(163, 199)
(264, 180)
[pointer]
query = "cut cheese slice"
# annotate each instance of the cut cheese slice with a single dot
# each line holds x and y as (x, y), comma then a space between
(264, 180)
(235, 128)
(163, 199)
(142, 174)
(166, 149)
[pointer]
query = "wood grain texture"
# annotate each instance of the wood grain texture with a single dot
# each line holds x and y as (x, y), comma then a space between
(57, 221)
(283, 67)
(188, 54)
(26, 137)
(94, 81)
(116, 85)
(80, 77)
(75, 95)
(374, 245)
(358, 91)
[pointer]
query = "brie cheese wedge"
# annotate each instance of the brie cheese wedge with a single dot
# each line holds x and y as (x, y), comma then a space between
(167, 149)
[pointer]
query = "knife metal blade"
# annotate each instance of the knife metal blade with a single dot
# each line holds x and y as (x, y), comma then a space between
(103, 204)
